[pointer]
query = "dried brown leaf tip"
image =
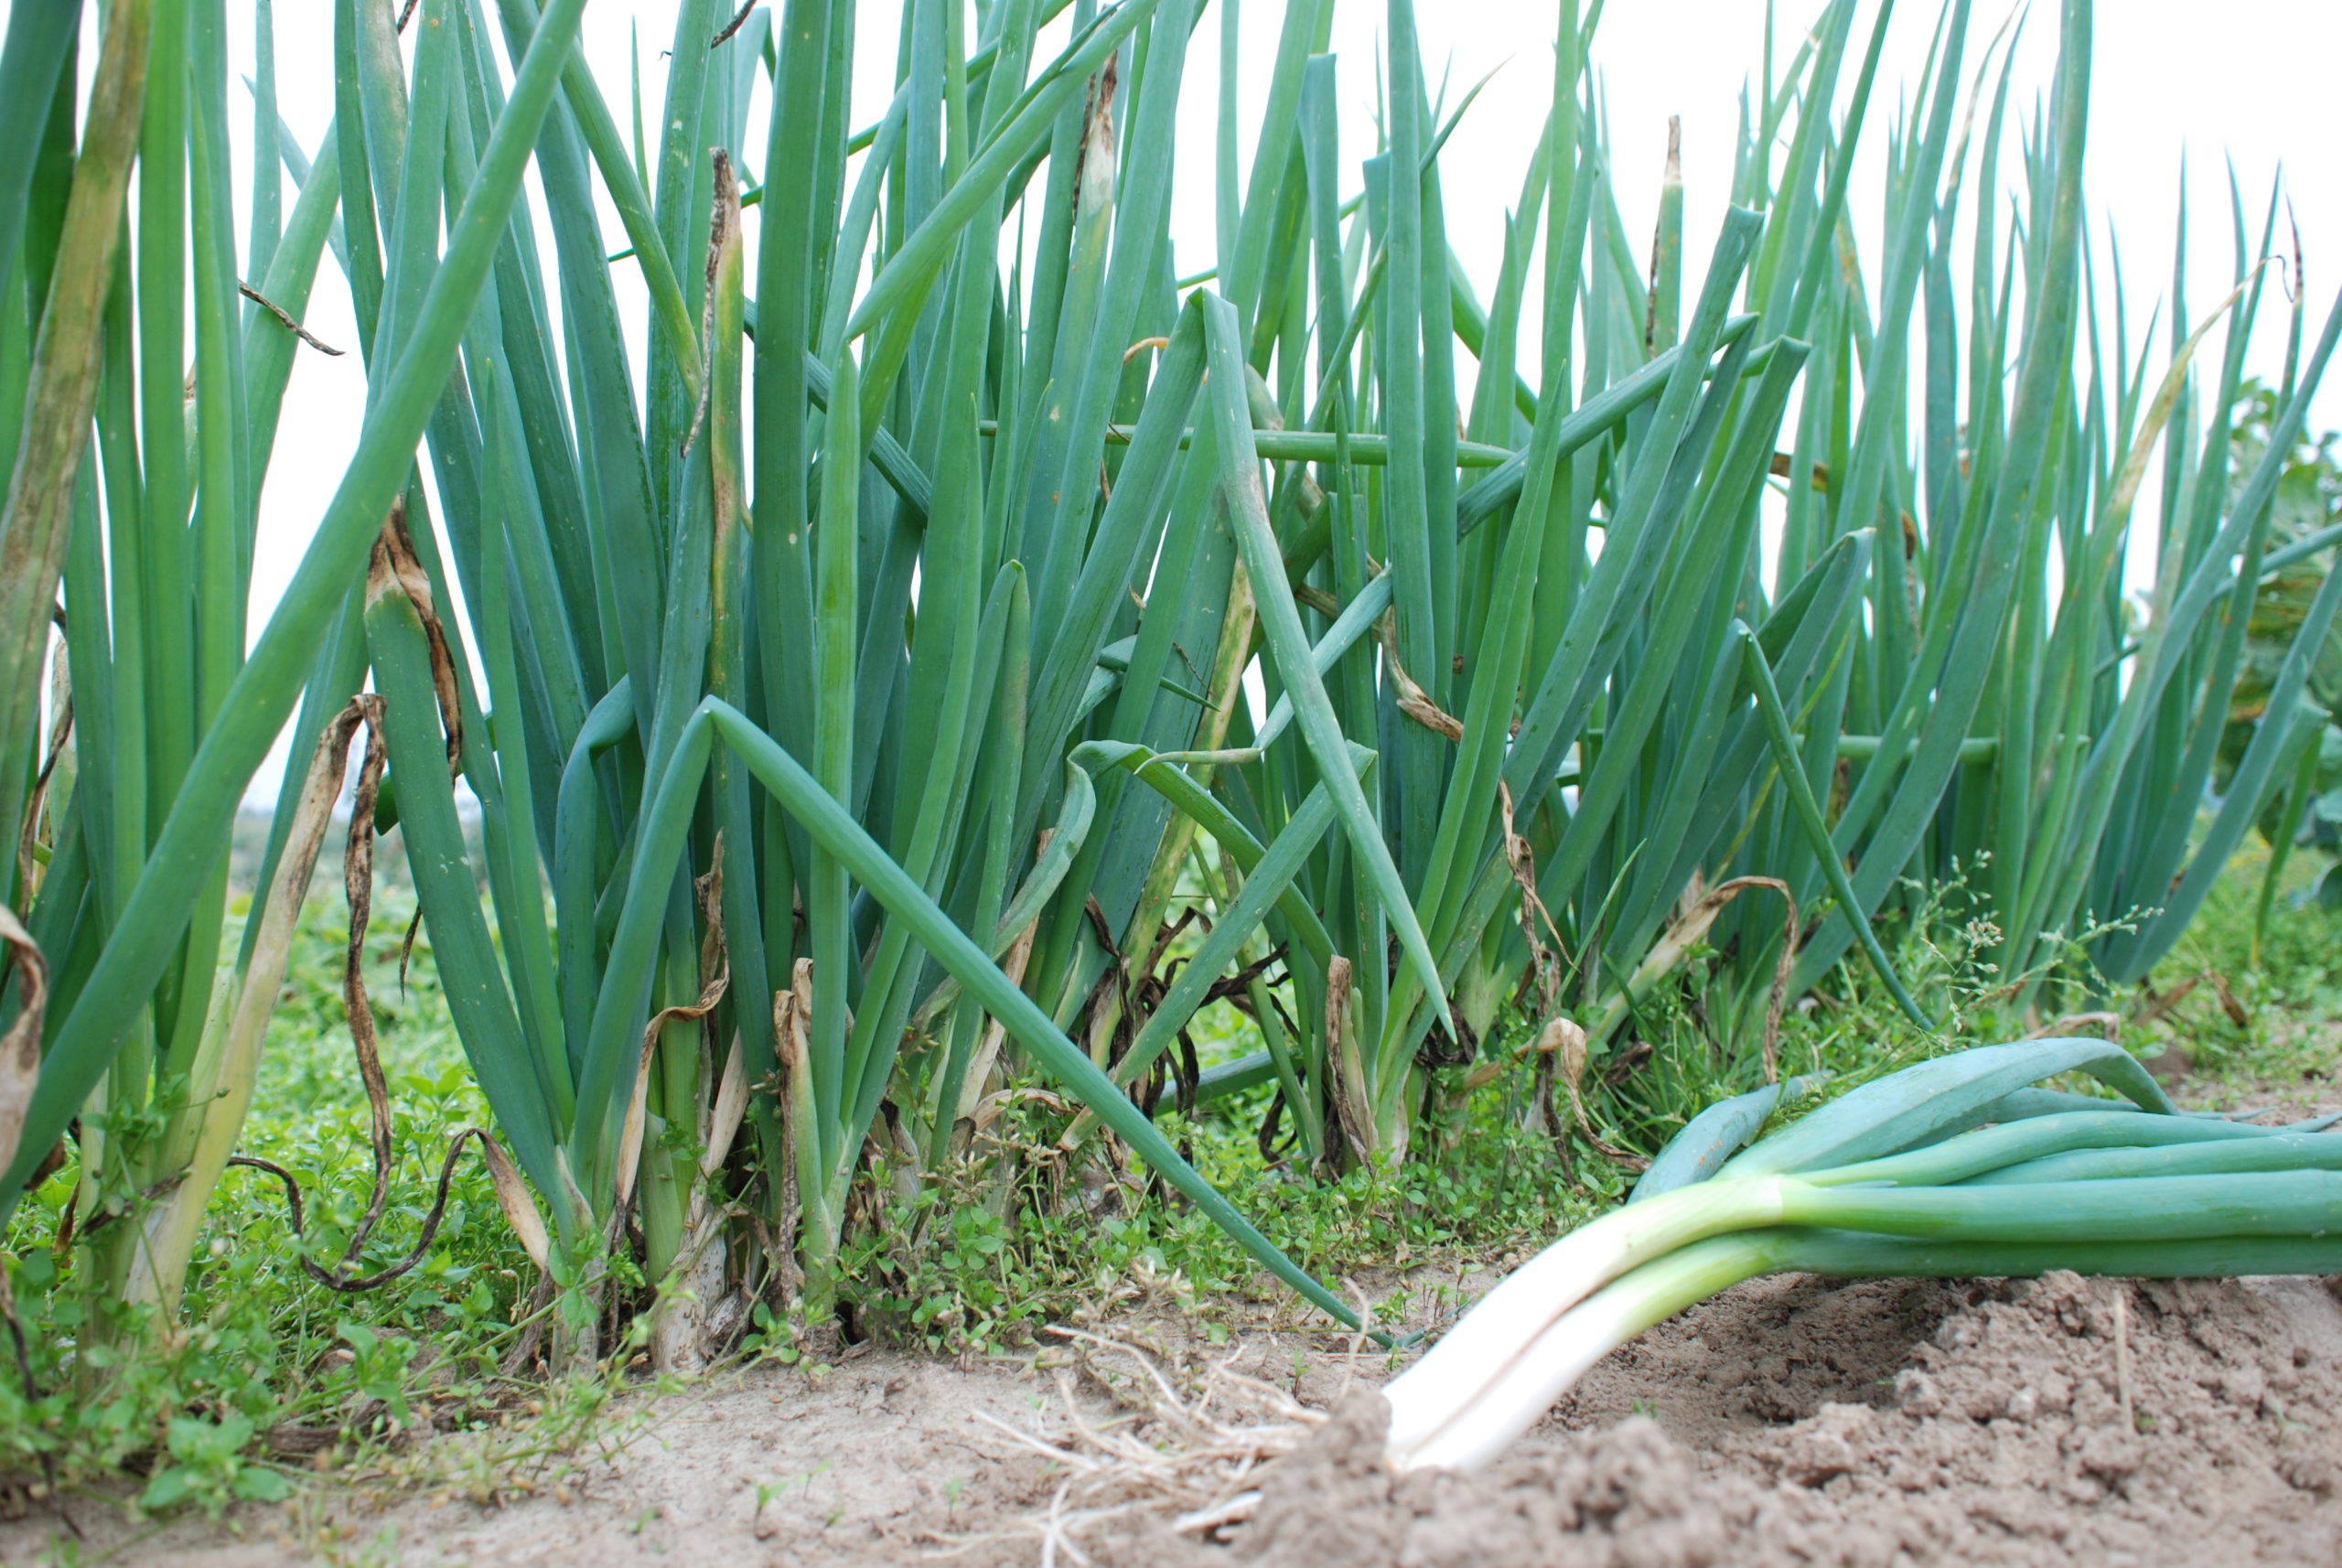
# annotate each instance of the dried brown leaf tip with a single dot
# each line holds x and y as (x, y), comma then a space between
(395, 568)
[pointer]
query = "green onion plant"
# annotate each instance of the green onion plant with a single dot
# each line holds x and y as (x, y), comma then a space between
(853, 689)
(1954, 1167)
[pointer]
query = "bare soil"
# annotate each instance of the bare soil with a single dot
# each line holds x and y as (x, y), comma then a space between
(2159, 1425)
(1884, 1423)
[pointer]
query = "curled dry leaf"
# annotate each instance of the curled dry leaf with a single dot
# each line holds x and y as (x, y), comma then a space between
(1693, 925)
(512, 1197)
(1544, 964)
(20, 1044)
(1413, 701)
(1566, 1041)
(357, 888)
(792, 1014)
(723, 247)
(395, 568)
(348, 1284)
(637, 1105)
(972, 1085)
(1346, 1072)
(731, 1104)
(2068, 1024)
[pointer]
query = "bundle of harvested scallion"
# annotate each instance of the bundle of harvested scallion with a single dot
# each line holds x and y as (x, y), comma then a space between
(1956, 1167)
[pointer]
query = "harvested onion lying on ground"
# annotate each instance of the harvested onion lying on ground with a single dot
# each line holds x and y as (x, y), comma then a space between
(1956, 1167)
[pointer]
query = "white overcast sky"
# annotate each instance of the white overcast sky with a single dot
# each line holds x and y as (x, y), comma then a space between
(2172, 90)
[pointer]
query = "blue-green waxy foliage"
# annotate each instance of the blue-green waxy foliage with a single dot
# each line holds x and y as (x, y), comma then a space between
(954, 649)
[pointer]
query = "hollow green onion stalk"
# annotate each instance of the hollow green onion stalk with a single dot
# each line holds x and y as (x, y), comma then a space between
(2139, 1191)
